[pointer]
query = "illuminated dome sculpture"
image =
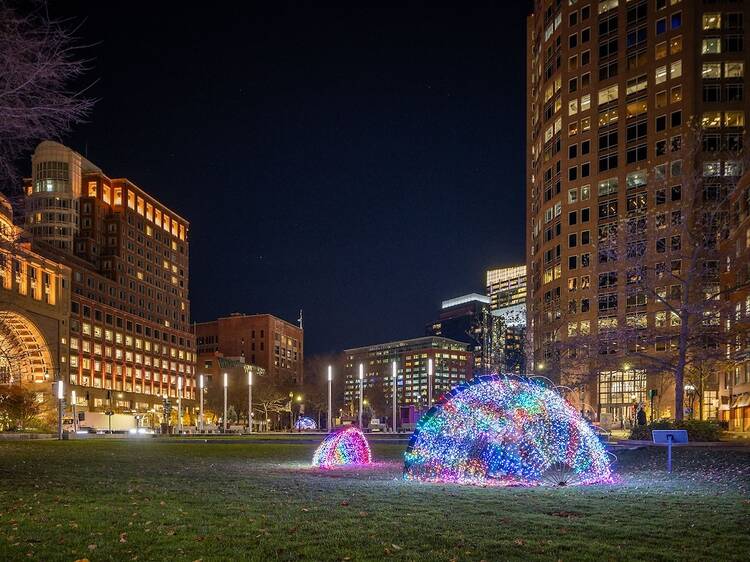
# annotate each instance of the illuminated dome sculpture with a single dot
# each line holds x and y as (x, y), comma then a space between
(305, 424)
(347, 446)
(505, 430)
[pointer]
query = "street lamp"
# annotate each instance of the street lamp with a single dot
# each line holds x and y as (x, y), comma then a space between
(249, 401)
(330, 379)
(429, 383)
(73, 402)
(394, 374)
(179, 404)
(60, 400)
(690, 390)
(361, 383)
(226, 384)
(200, 419)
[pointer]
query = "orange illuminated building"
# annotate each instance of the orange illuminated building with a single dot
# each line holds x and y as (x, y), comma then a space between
(130, 334)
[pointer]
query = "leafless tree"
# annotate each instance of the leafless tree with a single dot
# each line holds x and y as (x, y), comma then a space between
(40, 63)
(667, 265)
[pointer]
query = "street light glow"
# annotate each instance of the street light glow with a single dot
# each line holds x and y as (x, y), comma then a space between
(330, 373)
(226, 380)
(200, 382)
(179, 383)
(250, 378)
(361, 371)
(73, 396)
(60, 390)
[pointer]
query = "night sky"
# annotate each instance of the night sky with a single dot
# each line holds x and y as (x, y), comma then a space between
(360, 161)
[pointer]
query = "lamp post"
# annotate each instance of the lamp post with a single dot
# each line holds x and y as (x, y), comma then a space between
(330, 380)
(200, 419)
(249, 401)
(60, 400)
(226, 383)
(429, 383)
(179, 404)
(361, 383)
(690, 390)
(73, 405)
(395, 390)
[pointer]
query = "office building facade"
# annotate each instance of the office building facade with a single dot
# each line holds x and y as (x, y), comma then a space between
(616, 90)
(452, 364)
(124, 340)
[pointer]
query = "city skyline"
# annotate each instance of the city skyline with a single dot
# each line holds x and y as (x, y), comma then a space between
(373, 211)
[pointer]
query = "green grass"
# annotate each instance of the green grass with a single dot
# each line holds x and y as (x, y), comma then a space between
(157, 500)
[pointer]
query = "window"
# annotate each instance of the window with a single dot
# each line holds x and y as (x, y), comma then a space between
(710, 46)
(675, 69)
(711, 119)
(661, 26)
(734, 69)
(636, 179)
(712, 20)
(734, 119)
(675, 119)
(608, 186)
(608, 94)
(661, 74)
(675, 45)
(675, 94)
(676, 20)
(660, 50)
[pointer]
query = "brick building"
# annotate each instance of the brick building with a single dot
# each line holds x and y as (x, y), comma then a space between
(263, 340)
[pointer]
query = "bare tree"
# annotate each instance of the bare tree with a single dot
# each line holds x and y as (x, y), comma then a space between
(40, 62)
(666, 264)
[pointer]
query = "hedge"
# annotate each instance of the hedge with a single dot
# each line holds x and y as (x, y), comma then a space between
(698, 430)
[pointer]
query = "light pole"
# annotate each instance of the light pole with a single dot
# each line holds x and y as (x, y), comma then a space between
(429, 383)
(179, 404)
(690, 390)
(200, 419)
(226, 383)
(249, 401)
(395, 390)
(361, 382)
(73, 403)
(60, 400)
(330, 379)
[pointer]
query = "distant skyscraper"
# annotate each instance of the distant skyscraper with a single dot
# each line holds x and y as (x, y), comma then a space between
(506, 288)
(465, 319)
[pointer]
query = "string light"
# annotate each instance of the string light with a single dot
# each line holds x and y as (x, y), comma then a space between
(347, 446)
(509, 431)
(305, 424)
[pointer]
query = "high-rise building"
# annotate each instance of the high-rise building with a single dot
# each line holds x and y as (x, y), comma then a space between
(731, 400)
(263, 340)
(506, 289)
(506, 286)
(466, 319)
(125, 340)
(615, 89)
(452, 364)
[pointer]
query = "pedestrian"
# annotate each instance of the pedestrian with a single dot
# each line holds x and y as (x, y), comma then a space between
(641, 416)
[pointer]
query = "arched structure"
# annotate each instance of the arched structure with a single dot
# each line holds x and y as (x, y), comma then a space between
(24, 353)
(505, 430)
(304, 423)
(347, 446)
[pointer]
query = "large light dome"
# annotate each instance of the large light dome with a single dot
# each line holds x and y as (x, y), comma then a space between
(505, 430)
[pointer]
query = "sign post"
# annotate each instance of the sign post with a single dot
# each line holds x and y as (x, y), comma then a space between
(668, 437)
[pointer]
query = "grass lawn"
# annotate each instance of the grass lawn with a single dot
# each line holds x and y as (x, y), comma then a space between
(157, 500)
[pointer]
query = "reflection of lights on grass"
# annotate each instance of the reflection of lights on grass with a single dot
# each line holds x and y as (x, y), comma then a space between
(507, 431)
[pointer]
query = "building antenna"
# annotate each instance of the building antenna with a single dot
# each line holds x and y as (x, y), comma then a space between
(300, 319)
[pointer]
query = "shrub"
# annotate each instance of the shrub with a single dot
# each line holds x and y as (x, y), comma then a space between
(698, 430)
